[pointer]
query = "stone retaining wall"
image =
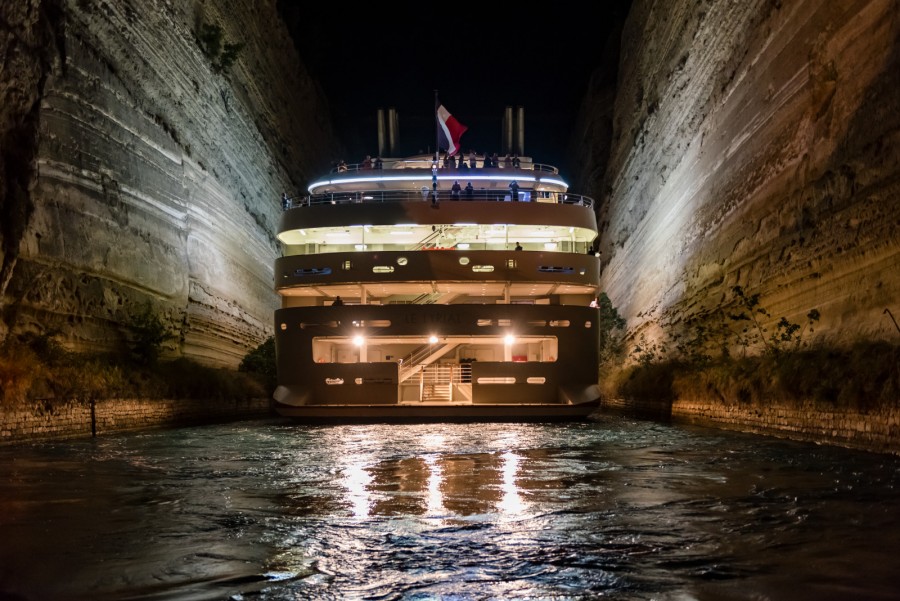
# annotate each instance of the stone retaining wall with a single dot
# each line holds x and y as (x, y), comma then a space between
(73, 418)
(877, 430)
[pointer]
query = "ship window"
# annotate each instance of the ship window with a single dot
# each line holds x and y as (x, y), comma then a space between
(283, 327)
(559, 323)
(346, 265)
(537, 380)
(485, 322)
(334, 381)
(313, 271)
(402, 260)
(358, 381)
(556, 269)
(537, 322)
(497, 380)
(581, 271)
(504, 322)
(327, 324)
(372, 323)
(482, 268)
(383, 269)
(588, 324)
(464, 260)
(510, 263)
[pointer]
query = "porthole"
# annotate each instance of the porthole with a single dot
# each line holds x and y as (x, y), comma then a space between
(283, 327)
(402, 260)
(464, 260)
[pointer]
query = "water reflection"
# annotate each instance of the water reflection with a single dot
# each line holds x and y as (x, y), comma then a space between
(618, 509)
(439, 487)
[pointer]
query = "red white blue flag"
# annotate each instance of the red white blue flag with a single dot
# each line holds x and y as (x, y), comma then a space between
(449, 131)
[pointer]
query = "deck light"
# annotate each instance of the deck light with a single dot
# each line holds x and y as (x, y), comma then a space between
(432, 339)
(509, 340)
(358, 340)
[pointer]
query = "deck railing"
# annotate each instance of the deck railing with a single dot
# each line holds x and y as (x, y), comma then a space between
(424, 195)
(387, 164)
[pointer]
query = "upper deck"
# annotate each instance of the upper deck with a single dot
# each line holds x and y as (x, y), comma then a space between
(366, 208)
(403, 179)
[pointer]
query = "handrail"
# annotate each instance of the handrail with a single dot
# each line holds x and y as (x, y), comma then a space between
(430, 237)
(412, 362)
(388, 164)
(376, 196)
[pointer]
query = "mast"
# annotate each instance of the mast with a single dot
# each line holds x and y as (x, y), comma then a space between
(437, 129)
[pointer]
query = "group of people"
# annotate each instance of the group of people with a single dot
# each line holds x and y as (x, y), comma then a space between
(490, 161)
(368, 163)
(456, 189)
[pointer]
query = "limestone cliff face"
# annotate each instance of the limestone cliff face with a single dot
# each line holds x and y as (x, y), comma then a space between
(756, 145)
(158, 176)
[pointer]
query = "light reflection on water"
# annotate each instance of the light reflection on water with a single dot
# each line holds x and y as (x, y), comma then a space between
(618, 508)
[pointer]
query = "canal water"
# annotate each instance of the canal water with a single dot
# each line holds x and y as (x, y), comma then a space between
(613, 508)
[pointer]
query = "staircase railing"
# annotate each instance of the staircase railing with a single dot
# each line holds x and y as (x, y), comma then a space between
(410, 363)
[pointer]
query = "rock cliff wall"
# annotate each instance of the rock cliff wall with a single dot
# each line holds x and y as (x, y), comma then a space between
(756, 145)
(157, 174)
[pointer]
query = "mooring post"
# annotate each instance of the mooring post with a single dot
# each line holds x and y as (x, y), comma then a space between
(93, 418)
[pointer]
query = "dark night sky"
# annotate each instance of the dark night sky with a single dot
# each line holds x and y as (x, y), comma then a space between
(480, 57)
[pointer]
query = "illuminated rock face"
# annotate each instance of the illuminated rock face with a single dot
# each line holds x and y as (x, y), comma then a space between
(158, 178)
(756, 145)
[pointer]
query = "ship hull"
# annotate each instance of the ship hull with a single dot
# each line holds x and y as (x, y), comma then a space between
(431, 413)
(437, 362)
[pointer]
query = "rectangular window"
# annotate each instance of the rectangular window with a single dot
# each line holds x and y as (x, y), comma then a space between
(497, 380)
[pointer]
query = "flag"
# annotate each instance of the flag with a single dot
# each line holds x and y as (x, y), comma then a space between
(449, 131)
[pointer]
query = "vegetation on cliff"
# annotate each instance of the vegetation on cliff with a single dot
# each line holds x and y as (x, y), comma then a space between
(731, 355)
(35, 367)
(212, 42)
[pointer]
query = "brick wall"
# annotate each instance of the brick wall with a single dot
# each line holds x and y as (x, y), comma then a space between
(877, 430)
(72, 418)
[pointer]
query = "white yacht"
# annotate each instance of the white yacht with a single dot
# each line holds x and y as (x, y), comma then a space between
(405, 301)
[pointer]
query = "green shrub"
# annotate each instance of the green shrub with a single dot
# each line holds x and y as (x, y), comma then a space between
(221, 54)
(261, 361)
(648, 381)
(186, 379)
(148, 335)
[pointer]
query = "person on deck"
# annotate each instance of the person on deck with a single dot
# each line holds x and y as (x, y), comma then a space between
(514, 191)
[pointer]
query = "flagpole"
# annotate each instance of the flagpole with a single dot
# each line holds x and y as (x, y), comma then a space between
(437, 129)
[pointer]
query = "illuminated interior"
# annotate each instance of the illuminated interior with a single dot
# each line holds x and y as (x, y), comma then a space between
(434, 349)
(461, 236)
